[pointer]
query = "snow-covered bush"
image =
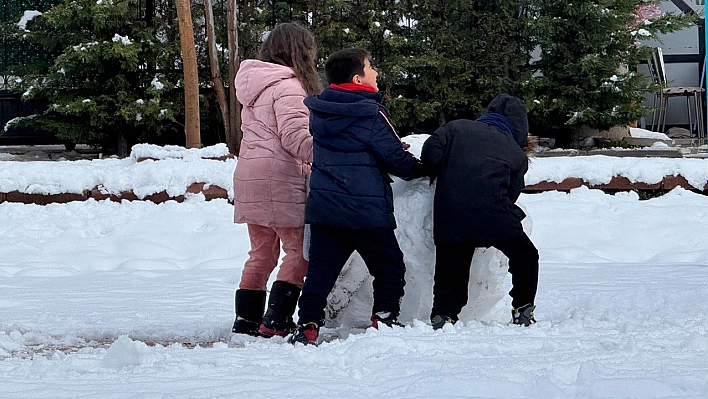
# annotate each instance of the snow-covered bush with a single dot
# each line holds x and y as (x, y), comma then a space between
(103, 70)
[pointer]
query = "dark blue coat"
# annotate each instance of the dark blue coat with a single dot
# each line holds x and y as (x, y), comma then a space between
(354, 150)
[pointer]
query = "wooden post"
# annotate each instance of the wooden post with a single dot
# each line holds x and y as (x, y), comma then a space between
(191, 79)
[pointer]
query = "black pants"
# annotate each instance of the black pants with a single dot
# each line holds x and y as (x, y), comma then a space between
(330, 247)
(452, 272)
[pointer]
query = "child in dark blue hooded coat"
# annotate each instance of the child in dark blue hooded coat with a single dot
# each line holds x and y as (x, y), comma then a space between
(350, 203)
(480, 167)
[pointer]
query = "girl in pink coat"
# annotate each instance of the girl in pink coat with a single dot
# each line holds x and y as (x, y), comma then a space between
(270, 176)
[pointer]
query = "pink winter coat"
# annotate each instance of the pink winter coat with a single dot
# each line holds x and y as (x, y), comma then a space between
(276, 150)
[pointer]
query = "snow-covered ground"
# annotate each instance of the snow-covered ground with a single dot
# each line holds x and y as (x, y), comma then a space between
(106, 300)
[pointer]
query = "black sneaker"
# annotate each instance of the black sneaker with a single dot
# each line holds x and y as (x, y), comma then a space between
(523, 315)
(386, 318)
(439, 321)
(305, 334)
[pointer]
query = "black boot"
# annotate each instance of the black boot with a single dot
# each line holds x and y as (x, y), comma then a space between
(249, 311)
(278, 319)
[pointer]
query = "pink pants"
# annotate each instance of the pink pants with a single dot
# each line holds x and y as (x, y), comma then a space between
(264, 253)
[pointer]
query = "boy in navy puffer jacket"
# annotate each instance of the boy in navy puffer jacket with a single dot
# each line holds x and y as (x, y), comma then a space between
(350, 203)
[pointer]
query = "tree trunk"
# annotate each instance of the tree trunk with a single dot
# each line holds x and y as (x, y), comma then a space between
(234, 135)
(191, 79)
(214, 67)
(149, 12)
(122, 146)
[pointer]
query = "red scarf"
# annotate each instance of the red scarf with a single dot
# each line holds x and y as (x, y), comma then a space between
(353, 87)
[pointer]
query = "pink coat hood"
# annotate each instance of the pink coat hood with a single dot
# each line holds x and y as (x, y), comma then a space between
(255, 76)
(276, 150)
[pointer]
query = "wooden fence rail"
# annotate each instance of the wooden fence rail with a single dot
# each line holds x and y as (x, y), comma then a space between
(618, 183)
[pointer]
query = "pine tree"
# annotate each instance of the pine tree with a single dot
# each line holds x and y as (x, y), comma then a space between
(586, 74)
(109, 75)
(11, 51)
(106, 72)
(436, 61)
(447, 60)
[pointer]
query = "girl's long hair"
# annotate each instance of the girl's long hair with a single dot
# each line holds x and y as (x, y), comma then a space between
(292, 45)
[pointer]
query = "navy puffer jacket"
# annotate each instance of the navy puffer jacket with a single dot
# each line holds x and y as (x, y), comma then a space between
(354, 150)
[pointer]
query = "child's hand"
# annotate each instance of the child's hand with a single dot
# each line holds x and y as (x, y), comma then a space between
(406, 146)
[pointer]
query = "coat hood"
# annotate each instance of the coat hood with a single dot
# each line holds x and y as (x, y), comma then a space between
(340, 108)
(254, 76)
(514, 109)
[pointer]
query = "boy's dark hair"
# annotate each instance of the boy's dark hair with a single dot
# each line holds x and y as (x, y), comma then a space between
(342, 65)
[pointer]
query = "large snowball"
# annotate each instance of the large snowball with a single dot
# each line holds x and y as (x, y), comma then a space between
(349, 303)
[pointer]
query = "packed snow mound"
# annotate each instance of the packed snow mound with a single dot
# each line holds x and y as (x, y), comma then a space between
(350, 302)
(647, 134)
(152, 151)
